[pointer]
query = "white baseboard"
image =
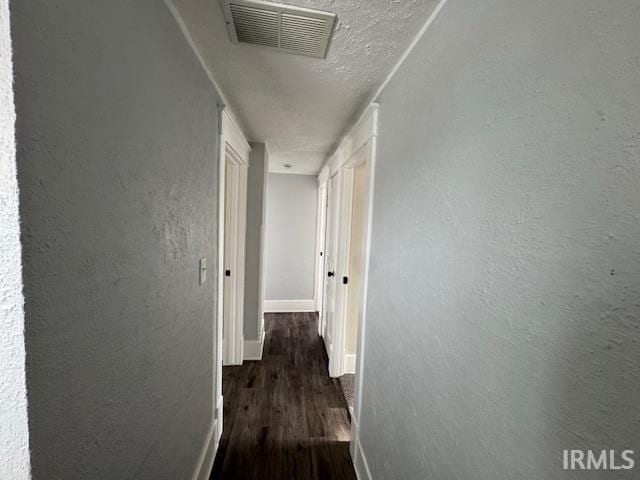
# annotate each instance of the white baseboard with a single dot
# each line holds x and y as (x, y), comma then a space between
(357, 454)
(219, 415)
(253, 348)
(208, 454)
(349, 363)
(276, 306)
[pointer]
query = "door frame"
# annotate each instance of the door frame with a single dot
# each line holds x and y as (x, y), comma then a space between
(332, 294)
(364, 156)
(358, 146)
(231, 138)
(364, 134)
(344, 183)
(234, 258)
(321, 234)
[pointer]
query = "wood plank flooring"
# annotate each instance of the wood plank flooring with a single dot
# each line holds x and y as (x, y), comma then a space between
(284, 418)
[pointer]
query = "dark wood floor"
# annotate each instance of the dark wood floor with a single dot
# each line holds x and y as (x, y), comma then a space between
(284, 418)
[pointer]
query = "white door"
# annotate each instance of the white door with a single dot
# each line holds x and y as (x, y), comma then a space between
(356, 265)
(333, 218)
(230, 253)
(322, 255)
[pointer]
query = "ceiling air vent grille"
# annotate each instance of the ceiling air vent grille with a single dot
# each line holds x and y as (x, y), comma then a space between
(289, 29)
(255, 26)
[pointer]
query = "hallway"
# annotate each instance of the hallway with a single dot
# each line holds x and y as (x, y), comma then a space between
(284, 417)
(449, 188)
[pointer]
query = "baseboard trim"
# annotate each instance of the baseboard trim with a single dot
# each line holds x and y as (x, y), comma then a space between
(219, 415)
(349, 363)
(285, 306)
(208, 454)
(253, 348)
(360, 464)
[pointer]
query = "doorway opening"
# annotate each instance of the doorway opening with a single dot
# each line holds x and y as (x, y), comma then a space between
(235, 187)
(348, 180)
(346, 256)
(233, 161)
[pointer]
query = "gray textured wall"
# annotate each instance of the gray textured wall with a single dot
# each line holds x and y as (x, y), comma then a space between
(504, 301)
(117, 171)
(291, 236)
(256, 180)
(14, 434)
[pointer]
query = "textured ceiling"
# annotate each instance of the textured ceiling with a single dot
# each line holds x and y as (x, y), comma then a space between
(301, 106)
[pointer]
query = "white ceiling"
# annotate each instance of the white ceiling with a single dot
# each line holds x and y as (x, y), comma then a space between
(301, 106)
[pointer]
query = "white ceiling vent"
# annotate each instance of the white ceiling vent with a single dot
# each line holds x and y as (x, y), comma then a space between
(290, 29)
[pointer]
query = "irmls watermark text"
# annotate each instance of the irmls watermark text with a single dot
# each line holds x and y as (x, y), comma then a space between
(597, 460)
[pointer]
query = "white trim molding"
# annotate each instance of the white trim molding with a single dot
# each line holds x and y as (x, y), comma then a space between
(349, 363)
(360, 463)
(358, 457)
(234, 149)
(285, 306)
(208, 454)
(358, 135)
(338, 324)
(321, 227)
(253, 348)
(323, 176)
(234, 135)
(219, 419)
(356, 148)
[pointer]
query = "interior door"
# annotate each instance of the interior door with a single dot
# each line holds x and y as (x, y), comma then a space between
(356, 264)
(230, 247)
(320, 279)
(333, 217)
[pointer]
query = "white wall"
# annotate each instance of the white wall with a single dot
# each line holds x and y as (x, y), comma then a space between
(14, 434)
(291, 235)
(504, 290)
(117, 160)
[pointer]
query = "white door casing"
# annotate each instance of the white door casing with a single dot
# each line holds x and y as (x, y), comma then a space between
(333, 193)
(321, 254)
(234, 242)
(234, 150)
(343, 235)
(230, 229)
(356, 260)
(356, 148)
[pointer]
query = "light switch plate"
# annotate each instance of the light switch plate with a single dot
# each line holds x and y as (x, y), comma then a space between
(203, 270)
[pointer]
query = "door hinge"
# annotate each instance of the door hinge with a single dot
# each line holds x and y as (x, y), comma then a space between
(345, 280)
